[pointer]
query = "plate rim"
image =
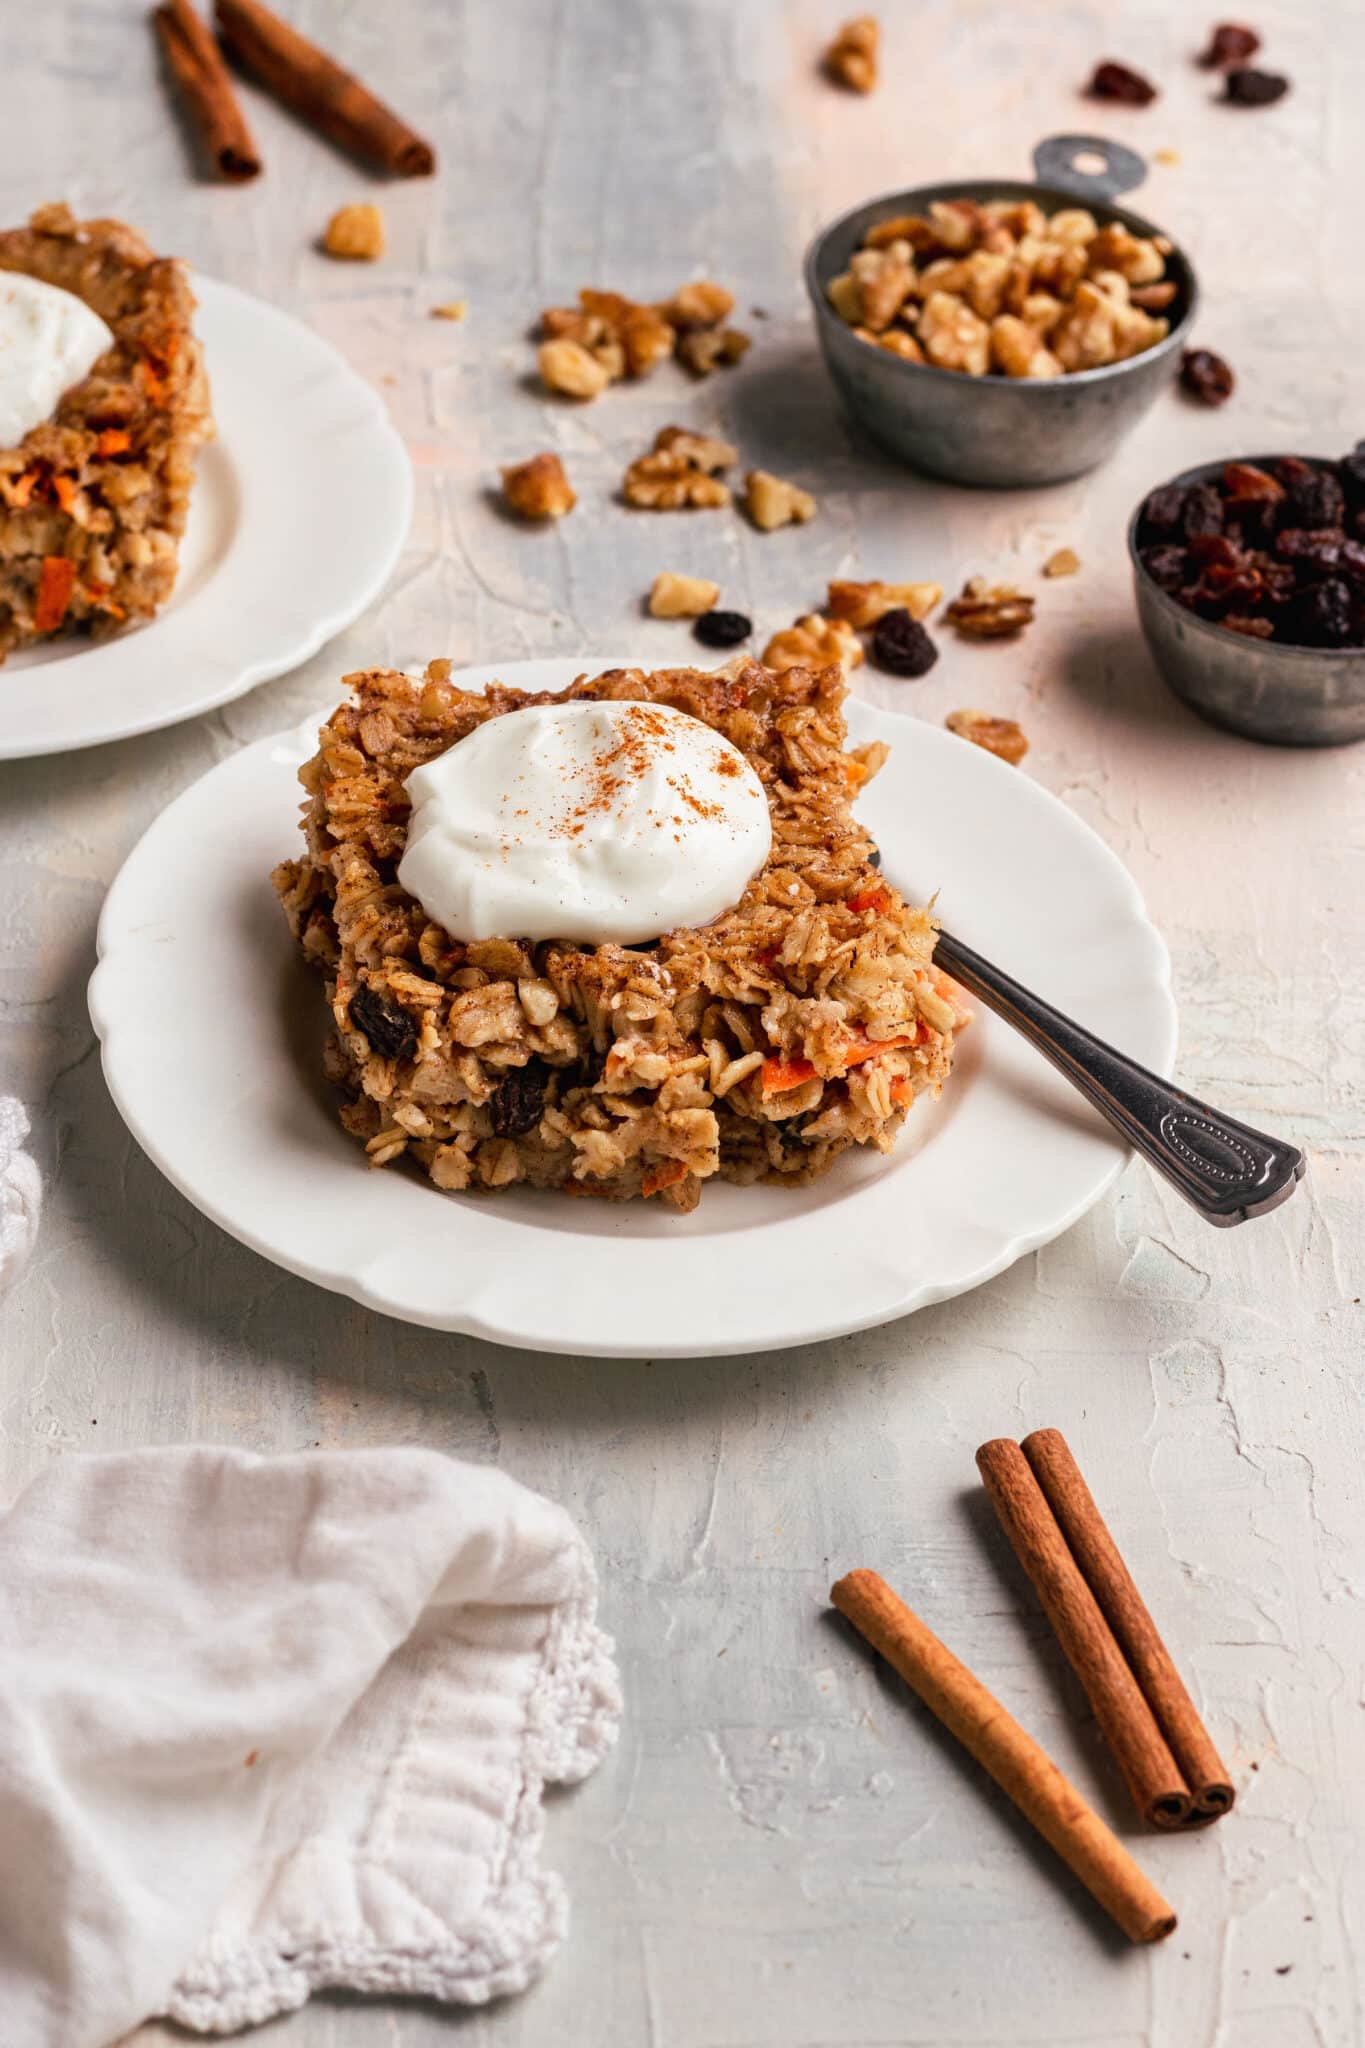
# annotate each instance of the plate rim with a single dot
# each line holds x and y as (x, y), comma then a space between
(316, 626)
(473, 1322)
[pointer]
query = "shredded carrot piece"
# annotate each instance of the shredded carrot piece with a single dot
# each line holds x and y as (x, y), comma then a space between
(68, 490)
(114, 441)
(55, 584)
(780, 1075)
(22, 489)
(666, 1176)
(902, 1090)
(870, 1048)
(153, 383)
(874, 897)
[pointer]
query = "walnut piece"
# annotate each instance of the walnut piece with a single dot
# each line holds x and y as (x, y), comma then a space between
(772, 502)
(814, 642)
(1019, 350)
(678, 474)
(999, 736)
(702, 304)
(538, 488)
(454, 309)
(952, 336)
(568, 367)
(851, 58)
(703, 349)
(1065, 562)
(681, 597)
(862, 604)
(355, 234)
(989, 611)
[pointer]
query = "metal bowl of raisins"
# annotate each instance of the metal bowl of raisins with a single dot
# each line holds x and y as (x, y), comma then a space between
(1250, 586)
(993, 429)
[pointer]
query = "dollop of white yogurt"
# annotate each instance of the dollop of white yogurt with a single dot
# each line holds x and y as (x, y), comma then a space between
(595, 822)
(49, 340)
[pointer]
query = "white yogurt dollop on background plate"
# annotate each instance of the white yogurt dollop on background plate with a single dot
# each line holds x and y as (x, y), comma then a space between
(594, 821)
(49, 340)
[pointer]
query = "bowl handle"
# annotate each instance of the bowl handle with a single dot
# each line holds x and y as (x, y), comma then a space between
(1121, 169)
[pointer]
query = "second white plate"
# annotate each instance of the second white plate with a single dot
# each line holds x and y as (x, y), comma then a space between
(212, 1032)
(300, 509)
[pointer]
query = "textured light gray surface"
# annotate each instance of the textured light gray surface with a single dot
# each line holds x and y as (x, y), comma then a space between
(783, 1855)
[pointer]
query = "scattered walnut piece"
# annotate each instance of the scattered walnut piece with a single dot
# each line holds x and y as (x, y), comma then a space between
(814, 642)
(538, 488)
(568, 367)
(1064, 563)
(355, 234)
(703, 349)
(681, 597)
(862, 604)
(454, 309)
(703, 451)
(999, 736)
(678, 474)
(772, 502)
(989, 611)
(851, 58)
(701, 304)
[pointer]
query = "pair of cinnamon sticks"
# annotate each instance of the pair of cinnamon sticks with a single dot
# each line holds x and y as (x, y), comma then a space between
(290, 67)
(1168, 1761)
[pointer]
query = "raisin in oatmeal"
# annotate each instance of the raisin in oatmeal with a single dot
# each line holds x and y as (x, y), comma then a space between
(93, 499)
(804, 1020)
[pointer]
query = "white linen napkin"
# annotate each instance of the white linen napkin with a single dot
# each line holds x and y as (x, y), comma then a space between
(21, 1192)
(274, 1724)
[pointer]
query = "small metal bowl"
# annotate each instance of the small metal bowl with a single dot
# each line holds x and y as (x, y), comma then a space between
(1001, 431)
(1266, 689)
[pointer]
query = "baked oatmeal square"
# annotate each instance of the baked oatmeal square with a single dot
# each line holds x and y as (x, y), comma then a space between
(93, 499)
(803, 1020)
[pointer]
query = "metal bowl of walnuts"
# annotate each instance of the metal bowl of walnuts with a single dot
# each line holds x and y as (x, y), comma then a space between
(1249, 577)
(974, 342)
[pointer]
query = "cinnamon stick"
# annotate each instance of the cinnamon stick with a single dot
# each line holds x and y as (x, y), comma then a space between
(1160, 1791)
(1024, 1772)
(1109, 1579)
(319, 91)
(201, 78)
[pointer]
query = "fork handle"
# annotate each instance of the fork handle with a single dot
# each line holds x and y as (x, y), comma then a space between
(1227, 1171)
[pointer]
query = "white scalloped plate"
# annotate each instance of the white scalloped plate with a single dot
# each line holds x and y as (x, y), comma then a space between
(300, 508)
(212, 1031)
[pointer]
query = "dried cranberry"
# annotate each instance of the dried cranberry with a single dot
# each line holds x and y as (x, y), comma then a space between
(1206, 376)
(1247, 88)
(1278, 582)
(1251, 497)
(1353, 560)
(1323, 614)
(1314, 499)
(1229, 43)
(722, 629)
(1163, 510)
(1112, 81)
(391, 1031)
(518, 1099)
(1203, 511)
(901, 646)
(1165, 566)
